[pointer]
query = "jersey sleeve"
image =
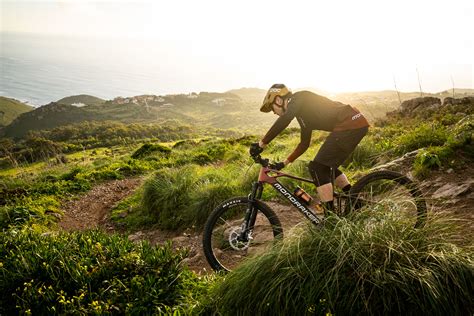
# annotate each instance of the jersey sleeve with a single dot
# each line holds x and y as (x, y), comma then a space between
(281, 123)
(302, 146)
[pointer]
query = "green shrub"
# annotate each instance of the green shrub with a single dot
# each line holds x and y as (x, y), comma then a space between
(71, 174)
(462, 133)
(431, 158)
(429, 134)
(147, 149)
(91, 273)
(29, 210)
(370, 265)
(61, 187)
(210, 152)
(106, 173)
(459, 137)
(185, 144)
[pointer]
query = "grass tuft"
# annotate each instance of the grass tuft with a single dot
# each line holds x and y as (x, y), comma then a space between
(370, 264)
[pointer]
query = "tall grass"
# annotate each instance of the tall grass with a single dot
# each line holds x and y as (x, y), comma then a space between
(371, 265)
(183, 197)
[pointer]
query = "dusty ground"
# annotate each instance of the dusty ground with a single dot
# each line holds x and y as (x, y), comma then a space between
(92, 210)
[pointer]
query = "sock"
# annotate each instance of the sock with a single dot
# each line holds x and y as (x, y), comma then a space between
(347, 188)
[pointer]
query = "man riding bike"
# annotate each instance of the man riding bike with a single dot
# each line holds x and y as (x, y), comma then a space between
(314, 112)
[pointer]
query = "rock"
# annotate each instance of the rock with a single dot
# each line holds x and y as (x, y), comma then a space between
(192, 259)
(136, 237)
(54, 214)
(450, 190)
(466, 101)
(419, 104)
(180, 239)
(217, 252)
(400, 163)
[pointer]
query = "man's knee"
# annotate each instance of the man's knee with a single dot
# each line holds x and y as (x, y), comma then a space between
(320, 173)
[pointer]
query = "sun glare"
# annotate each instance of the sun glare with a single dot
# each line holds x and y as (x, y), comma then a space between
(336, 46)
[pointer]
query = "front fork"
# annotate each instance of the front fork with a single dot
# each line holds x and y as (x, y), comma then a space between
(251, 212)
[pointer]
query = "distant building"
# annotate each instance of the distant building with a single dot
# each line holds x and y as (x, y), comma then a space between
(219, 101)
(79, 105)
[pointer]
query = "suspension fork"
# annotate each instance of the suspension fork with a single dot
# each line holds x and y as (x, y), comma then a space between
(251, 212)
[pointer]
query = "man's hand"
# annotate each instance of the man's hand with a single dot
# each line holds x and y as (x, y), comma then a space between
(255, 149)
(279, 165)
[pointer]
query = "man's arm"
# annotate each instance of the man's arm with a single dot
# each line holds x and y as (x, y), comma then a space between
(280, 124)
(302, 146)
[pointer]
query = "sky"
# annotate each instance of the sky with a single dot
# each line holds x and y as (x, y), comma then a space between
(217, 45)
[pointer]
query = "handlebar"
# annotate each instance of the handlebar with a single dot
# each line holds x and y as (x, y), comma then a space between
(264, 162)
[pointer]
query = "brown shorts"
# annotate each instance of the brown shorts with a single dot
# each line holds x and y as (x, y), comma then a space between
(338, 146)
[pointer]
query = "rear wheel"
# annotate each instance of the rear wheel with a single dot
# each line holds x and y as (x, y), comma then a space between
(223, 244)
(392, 193)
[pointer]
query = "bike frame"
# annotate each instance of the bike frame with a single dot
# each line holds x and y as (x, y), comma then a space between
(270, 176)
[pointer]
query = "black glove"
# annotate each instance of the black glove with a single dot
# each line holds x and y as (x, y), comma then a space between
(255, 149)
(278, 165)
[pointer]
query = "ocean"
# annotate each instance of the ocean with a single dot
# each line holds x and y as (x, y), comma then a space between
(40, 69)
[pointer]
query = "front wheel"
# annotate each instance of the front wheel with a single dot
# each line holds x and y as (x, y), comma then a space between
(223, 244)
(393, 193)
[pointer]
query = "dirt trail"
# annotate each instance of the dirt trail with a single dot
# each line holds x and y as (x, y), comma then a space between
(92, 209)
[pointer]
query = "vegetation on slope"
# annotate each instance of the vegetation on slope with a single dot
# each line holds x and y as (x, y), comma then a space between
(81, 99)
(91, 273)
(188, 174)
(10, 109)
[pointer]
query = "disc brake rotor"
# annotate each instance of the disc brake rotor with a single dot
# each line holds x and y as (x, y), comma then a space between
(234, 241)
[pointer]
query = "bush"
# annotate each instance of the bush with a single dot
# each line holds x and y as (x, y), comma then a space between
(91, 273)
(29, 210)
(460, 138)
(462, 133)
(373, 265)
(431, 158)
(423, 136)
(147, 149)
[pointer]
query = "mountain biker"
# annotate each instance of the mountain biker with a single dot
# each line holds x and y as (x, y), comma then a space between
(347, 127)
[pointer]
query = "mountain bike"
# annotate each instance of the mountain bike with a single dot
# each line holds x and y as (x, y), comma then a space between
(246, 226)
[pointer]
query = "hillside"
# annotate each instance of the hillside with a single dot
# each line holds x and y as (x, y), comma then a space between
(220, 110)
(46, 117)
(81, 100)
(237, 109)
(77, 217)
(10, 109)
